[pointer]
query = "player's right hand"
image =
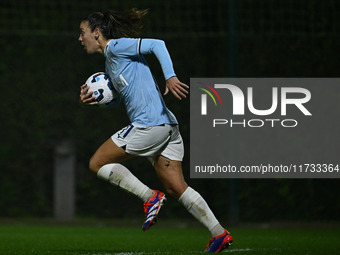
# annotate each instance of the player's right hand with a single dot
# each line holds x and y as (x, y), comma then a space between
(177, 88)
(86, 98)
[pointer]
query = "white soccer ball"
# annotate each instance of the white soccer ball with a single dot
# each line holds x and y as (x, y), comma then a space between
(102, 88)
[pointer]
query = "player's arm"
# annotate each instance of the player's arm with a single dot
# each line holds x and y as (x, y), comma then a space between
(158, 48)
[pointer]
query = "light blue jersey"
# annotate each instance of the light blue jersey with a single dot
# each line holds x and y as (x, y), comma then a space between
(132, 79)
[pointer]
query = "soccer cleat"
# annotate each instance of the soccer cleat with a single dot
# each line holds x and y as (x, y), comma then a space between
(152, 207)
(219, 243)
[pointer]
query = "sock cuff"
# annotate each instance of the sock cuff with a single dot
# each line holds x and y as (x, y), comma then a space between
(120, 176)
(105, 172)
(189, 197)
(198, 207)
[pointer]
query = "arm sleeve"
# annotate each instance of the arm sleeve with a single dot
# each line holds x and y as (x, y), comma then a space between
(158, 48)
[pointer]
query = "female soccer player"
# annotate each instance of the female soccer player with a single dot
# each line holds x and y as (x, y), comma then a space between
(153, 132)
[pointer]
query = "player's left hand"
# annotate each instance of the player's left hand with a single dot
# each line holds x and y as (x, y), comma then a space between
(86, 99)
(177, 88)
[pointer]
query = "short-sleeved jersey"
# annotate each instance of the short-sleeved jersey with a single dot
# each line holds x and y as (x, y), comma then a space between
(134, 82)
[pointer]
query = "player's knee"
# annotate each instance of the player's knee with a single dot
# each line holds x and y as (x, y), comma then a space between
(94, 165)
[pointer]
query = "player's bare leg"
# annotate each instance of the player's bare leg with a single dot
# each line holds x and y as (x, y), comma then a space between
(170, 173)
(108, 153)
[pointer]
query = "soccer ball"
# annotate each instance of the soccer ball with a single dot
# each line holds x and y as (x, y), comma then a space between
(102, 88)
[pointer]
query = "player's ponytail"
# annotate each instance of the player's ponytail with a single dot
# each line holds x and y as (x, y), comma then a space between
(116, 25)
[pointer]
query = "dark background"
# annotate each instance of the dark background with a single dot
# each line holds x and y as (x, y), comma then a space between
(43, 65)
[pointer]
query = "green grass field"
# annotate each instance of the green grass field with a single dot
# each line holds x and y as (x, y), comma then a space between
(100, 240)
